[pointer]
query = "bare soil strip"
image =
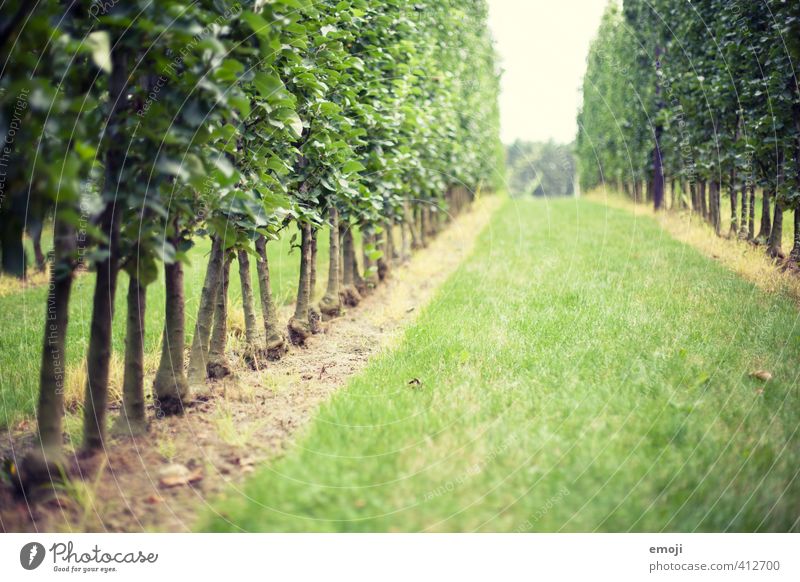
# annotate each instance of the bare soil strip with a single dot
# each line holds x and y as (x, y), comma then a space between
(161, 482)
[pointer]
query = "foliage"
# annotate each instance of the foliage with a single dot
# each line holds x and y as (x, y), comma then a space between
(540, 169)
(716, 76)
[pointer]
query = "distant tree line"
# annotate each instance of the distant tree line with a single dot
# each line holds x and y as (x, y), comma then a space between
(540, 168)
(701, 96)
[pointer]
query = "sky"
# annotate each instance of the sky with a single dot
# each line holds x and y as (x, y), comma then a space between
(543, 46)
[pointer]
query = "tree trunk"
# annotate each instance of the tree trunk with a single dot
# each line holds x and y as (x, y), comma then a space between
(734, 206)
(369, 240)
(701, 194)
(411, 225)
(744, 213)
(35, 228)
(250, 329)
(422, 225)
(775, 240)
(170, 387)
(350, 295)
(384, 261)
(673, 194)
(299, 327)
(716, 211)
(46, 462)
(99, 353)
(131, 420)
(658, 162)
(766, 224)
(331, 305)
(794, 255)
(198, 359)
(314, 315)
(313, 267)
(12, 248)
(751, 219)
(217, 360)
(275, 341)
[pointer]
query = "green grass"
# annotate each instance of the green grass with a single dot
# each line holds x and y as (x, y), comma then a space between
(581, 371)
(22, 318)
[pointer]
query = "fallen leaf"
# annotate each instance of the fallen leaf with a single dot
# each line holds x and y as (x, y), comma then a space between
(762, 375)
(176, 475)
(247, 461)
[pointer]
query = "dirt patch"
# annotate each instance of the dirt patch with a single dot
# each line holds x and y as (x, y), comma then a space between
(162, 481)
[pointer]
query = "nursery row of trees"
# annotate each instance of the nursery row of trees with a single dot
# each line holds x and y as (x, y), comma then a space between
(141, 126)
(702, 96)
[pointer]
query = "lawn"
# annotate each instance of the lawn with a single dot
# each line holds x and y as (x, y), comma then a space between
(581, 371)
(22, 322)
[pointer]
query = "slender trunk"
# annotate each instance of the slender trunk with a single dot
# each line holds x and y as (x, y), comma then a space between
(412, 225)
(751, 221)
(250, 330)
(275, 341)
(658, 162)
(716, 212)
(35, 228)
(350, 295)
(423, 224)
(341, 254)
(775, 240)
(794, 255)
(766, 223)
(313, 267)
(314, 314)
(170, 387)
(673, 194)
(198, 359)
(131, 420)
(217, 360)
(46, 462)
(299, 328)
(701, 194)
(384, 261)
(99, 353)
(369, 240)
(745, 212)
(358, 280)
(734, 206)
(405, 242)
(12, 257)
(331, 305)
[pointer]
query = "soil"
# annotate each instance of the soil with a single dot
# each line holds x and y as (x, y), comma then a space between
(164, 480)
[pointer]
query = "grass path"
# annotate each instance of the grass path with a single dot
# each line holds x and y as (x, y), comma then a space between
(581, 371)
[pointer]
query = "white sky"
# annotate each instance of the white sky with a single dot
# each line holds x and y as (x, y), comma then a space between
(543, 46)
